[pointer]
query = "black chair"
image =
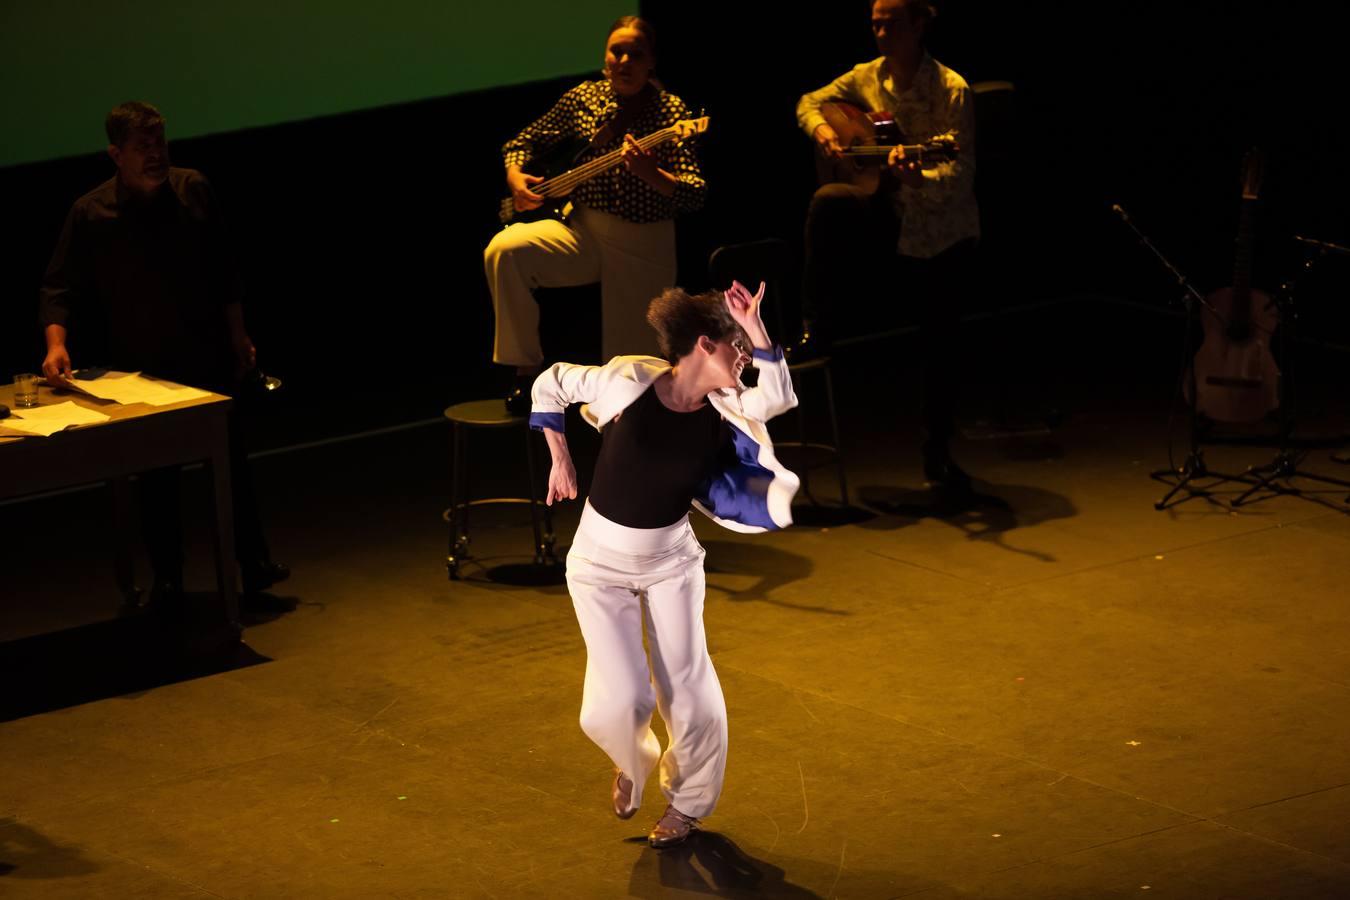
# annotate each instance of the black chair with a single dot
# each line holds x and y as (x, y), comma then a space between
(490, 414)
(767, 261)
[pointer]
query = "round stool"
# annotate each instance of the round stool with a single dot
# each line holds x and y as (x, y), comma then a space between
(464, 419)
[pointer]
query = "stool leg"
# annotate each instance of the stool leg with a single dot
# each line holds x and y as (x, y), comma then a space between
(834, 428)
(457, 507)
(465, 504)
(806, 454)
(550, 539)
(539, 510)
(534, 499)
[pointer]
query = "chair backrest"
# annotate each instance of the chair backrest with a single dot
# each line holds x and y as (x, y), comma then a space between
(995, 121)
(750, 263)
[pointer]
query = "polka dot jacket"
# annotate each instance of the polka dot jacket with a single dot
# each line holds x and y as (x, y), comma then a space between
(579, 114)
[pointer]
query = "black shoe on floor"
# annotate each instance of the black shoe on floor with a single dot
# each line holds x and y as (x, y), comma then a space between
(946, 477)
(165, 593)
(259, 576)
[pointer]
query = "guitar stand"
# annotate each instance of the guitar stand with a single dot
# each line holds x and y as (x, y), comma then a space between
(1194, 466)
(1284, 466)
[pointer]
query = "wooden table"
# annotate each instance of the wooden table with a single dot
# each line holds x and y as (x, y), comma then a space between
(136, 438)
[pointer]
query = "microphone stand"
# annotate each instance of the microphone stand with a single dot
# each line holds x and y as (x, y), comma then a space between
(1285, 464)
(1194, 466)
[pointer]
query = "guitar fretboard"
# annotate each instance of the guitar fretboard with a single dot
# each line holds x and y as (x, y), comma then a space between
(563, 184)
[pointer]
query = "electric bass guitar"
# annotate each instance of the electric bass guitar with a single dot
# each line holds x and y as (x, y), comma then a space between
(556, 188)
(868, 139)
(1236, 377)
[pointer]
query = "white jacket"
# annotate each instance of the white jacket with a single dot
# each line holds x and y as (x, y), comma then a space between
(754, 493)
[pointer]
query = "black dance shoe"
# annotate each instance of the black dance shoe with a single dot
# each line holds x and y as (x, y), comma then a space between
(261, 575)
(165, 594)
(945, 477)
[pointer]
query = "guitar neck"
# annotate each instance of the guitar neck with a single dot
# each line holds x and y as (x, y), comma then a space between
(564, 184)
(884, 149)
(1241, 312)
(1242, 254)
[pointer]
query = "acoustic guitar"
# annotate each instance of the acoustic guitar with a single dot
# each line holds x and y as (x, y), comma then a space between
(868, 139)
(555, 189)
(1236, 377)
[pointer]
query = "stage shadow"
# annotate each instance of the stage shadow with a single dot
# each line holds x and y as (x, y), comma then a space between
(823, 515)
(710, 863)
(123, 656)
(527, 574)
(770, 566)
(516, 571)
(264, 607)
(988, 514)
(25, 853)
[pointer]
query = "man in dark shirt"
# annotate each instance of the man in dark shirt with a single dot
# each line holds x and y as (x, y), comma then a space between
(142, 280)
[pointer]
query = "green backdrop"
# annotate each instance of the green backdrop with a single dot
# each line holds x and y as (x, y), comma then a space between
(222, 66)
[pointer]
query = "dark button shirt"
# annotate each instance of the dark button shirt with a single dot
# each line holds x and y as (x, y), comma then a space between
(653, 460)
(583, 111)
(142, 283)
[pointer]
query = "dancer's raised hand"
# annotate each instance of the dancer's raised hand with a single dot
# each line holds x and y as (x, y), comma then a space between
(744, 309)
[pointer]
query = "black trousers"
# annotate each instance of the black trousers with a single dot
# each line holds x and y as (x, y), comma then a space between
(850, 253)
(162, 512)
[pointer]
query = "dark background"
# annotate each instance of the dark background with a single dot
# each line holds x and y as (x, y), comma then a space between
(360, 235)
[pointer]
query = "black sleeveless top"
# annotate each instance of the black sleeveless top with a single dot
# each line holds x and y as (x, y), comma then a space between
(653, 460)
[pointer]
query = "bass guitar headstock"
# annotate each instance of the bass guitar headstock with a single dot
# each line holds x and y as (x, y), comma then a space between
(687, 128)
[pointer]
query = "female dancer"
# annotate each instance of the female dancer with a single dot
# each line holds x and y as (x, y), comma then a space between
(620, 232)
(676, 435)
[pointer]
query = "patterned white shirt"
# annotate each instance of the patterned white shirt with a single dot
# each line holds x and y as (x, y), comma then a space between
(939, 102)
(579, 114)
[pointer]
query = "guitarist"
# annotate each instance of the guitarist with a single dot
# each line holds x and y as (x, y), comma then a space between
(620, 231)
(916, 235)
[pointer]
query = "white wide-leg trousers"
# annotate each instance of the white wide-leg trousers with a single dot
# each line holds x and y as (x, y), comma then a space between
(616, 574)
(633, 263)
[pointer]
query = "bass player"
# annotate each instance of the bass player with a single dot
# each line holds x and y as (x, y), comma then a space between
(620, 231)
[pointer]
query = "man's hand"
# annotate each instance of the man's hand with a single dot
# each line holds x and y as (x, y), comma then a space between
(519, 183)
(908, 168)
(744, 308)
(245, 354)
(56, 367)
(828, 141)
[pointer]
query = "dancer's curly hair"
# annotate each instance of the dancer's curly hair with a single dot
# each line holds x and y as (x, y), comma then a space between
(680, 319)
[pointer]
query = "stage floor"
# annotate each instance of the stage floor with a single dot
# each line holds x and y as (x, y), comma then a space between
(1059, 692)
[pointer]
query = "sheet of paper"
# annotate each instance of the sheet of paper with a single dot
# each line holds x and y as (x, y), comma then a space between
(47, 420)
(136, 388)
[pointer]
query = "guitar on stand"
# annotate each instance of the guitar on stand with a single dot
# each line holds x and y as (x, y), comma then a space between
(868, 139)
(555, 189)
(1232, 378)
(1236, 377)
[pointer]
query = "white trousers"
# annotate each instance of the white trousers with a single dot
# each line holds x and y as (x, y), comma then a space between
(616, 574)
(633, 263)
